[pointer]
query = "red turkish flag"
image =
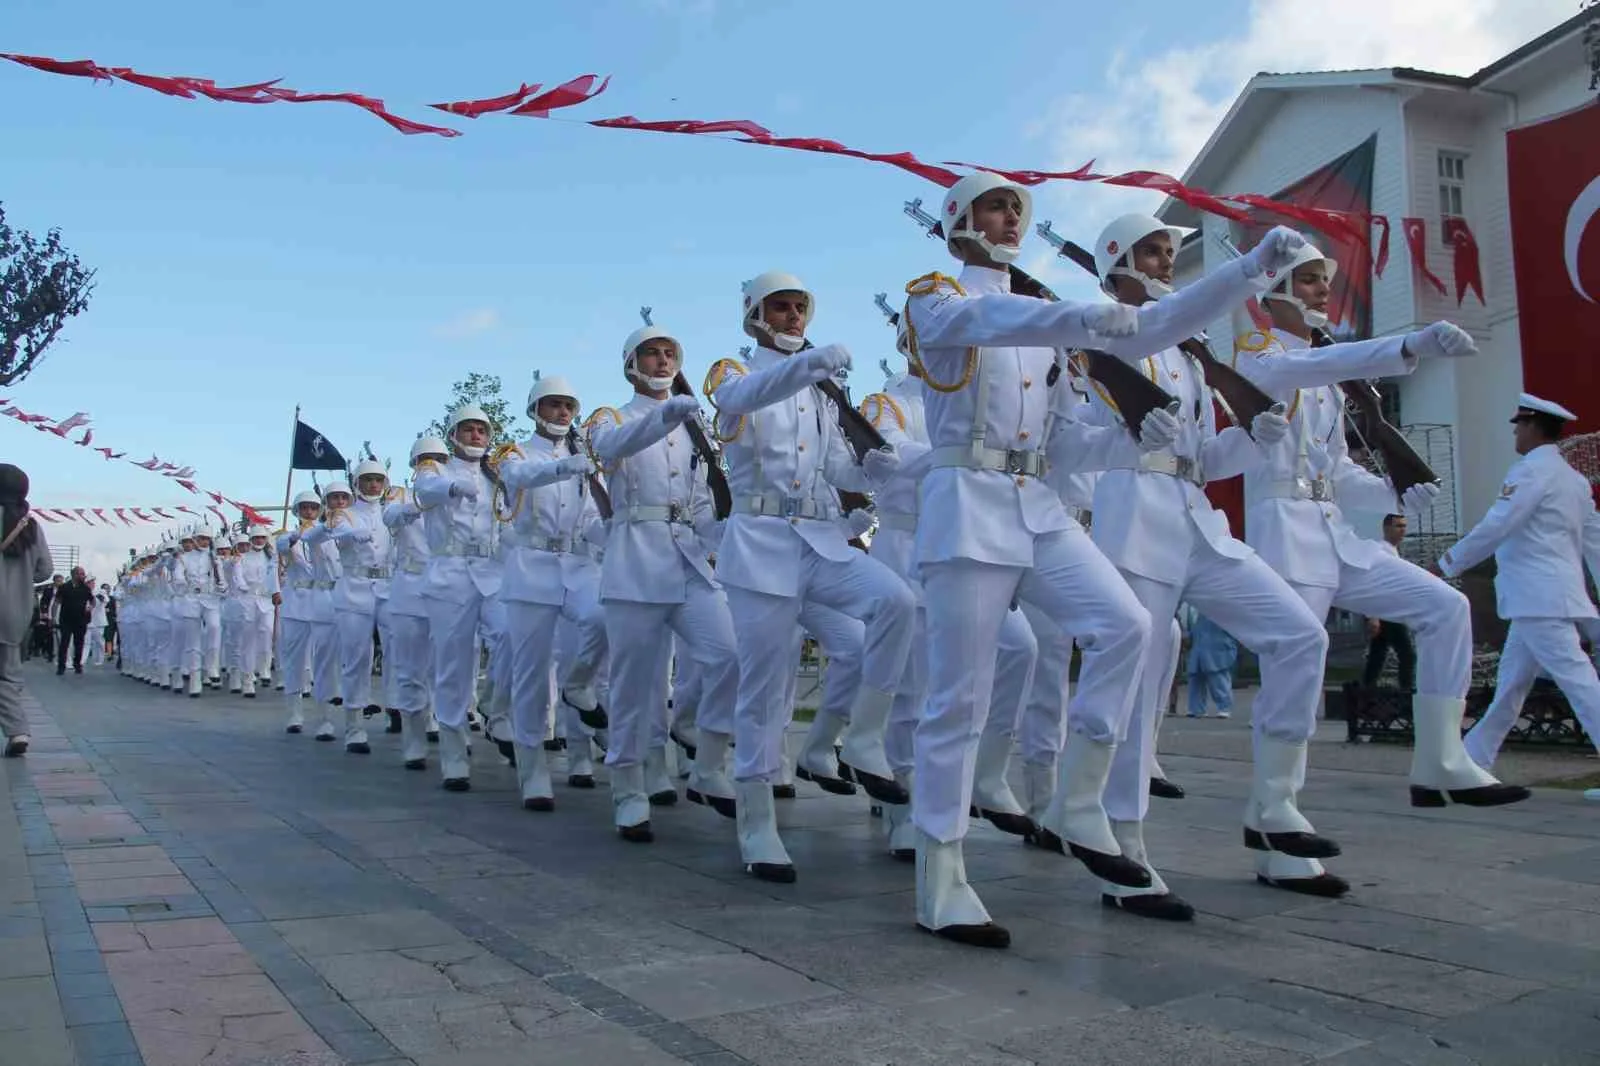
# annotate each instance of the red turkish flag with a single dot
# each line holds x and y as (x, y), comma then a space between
(1553, 170)
(1468, 270)
(1417, 240)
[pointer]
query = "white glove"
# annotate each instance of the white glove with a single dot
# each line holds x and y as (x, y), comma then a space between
(880, 465)
(1442, 340)
(1419, 498)
(362, 536)
(581, 465)
(1275, 252)
(858, 522)
(1158, 430)
(828, 360)
(464, 490)
(678, 409)
(1111, 320)
(1269, 428)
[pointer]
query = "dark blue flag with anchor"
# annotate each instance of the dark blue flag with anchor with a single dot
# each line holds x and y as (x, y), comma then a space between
(313, 451)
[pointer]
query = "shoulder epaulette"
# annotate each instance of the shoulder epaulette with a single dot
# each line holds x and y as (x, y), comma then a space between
(1254, 341)
(881, 404)
(599, 412)
(933, 282)
(719, 373)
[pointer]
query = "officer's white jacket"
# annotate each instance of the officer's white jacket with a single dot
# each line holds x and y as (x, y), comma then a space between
(1075, 487)
(297, 577)
(988, 515)
(1542, 531)
(463, 542)
(326, 570)
(408, 554)
(193, 581)
(1294, 535)
(651, 466)
(783, 443)
(362, 540)
(543, 549)
(256, 574)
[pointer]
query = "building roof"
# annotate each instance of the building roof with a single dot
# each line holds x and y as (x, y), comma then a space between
(1266, 91)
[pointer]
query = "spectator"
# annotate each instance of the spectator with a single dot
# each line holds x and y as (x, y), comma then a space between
(24, 562)
(1381, 635)
(1213, 653)
(97, 628)
(73, 607)
(44, 635)
(111, 628)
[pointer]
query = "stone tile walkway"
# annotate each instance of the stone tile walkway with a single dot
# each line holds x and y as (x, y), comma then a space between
(181, 884)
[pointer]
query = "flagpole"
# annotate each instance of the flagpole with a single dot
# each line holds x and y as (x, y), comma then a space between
(288, 482)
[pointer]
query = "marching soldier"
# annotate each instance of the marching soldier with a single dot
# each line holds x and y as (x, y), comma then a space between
(297, 617)
(360, 601)
(327, 570)
(256, 572)
(408, 657)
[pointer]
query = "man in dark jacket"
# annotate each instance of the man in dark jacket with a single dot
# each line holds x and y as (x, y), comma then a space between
(74, 603)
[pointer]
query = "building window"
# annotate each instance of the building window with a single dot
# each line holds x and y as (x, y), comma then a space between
(1452, 189)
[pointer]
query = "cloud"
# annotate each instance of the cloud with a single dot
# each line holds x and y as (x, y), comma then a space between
(469, 324)
(1157, 109)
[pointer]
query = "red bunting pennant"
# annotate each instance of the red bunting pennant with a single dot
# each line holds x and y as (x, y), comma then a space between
(61, 429)
(576, 91)
(1382, 222)
(140, 515)
(121, 513)
(1468, 270)
(1417, 240)
(474, 108)
(99, 512)
(162, 513)
(40, 512)
(83, 441)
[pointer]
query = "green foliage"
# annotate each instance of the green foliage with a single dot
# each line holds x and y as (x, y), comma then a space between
(485, 391)
(41, 286)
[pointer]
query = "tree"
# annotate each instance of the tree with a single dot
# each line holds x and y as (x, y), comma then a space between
(41, 286)
(483, 390)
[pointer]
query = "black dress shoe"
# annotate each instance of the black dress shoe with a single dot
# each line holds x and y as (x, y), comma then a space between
(783, 792)
(779, 873)
(433, 736)
(1018, 825)
(539, 803)
(1161, 788)
(249, 695)
(636, 834)
(324, 739)
(1166, 907)
(458, 784)
(1325, 885)
(987, 935)
(16, 748)
(723, 805)
(595, 717)
(1300, 845)
(688, 749)
(836, 785)
(664, 798)
(555, 744)
(394, 721)
(359, 748)
(416, 764)
(883, 789)
(580, 781)
(476, 727)
(903, 854)
(293, 729)
(1118, 869)
(507, 749)
(1495, 795)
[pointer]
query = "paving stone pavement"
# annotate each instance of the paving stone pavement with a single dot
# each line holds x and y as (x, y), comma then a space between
(182, 884)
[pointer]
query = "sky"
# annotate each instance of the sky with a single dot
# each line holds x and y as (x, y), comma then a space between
(251, 259)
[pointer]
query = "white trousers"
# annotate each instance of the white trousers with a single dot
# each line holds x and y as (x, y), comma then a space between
(259, 616)
(1437, 615)
(1042, 730)
(1249, 600)
(530, 650)
(581, 643)
(1016, 659)
(1074, 586)
(211, 635)
(899, 739)
(408, 660)
(639, 636)
(325, 660)
(453, 632)
(842, 640)
(1534, 646)
(97, 644)
(354, 630)
(294, 653)
(862, 588)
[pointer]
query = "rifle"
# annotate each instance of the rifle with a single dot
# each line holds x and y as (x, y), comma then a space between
(1134, 395)
(700, 441)
(1364, 407)
(597, 489)
(861, 434)
(1243, 398)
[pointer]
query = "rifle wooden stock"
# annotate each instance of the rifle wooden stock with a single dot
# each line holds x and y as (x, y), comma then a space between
(861, 433)
(597, 488)
(1400, 461)
(716, 480)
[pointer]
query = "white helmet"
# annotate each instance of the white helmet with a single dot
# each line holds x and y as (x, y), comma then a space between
(241, 539)
(756, 291)
(956, 220)
(1117, 240)
(307, 497)
(428, 446)
(551, 386)
(337, 486)
(468, 412)
(368, 468)
(630, 349)
(1308, 253)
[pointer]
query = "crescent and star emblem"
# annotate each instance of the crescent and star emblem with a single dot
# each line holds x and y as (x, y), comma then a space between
(1583, 209)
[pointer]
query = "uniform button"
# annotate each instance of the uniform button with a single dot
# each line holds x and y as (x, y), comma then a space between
(671, 443)
(1023, 435)
(802, 447)
(672, 473)
(1021, 481)
(794, 484)
(1027, 383)
(794, 521)
(802, 410)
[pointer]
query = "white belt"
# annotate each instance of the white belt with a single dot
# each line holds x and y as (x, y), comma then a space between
(1178, 466)
(468, 551)
(903, 521)
(781, 507)
(559, 545)
(303, 586)
(1015, 462)
(411, 567)
(372, 573)
(1300, 488)
(323, 585)
(1081, 515)
(677, 513)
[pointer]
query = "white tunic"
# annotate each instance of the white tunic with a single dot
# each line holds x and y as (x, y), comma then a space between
(543, 549)
(462, 534)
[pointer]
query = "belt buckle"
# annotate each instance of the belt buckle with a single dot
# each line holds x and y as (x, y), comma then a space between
(674, 512)
(1184, 467)
(1318, 488)
(1016, 462)
(790, 508)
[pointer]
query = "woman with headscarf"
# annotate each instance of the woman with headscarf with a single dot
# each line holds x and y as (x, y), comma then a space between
(24, 562)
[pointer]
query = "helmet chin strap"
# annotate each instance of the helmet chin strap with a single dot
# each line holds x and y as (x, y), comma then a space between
(1153, 287)
(470, 452)
(1312, 319)
(372, 497)
(1003, 254)
(553, 430)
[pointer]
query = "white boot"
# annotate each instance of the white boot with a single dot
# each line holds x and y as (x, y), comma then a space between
(630, 804)
(1039, 785)
(991, 792)
(863, 746)
(325, 730)
(580, 755)
(946, 903)
(1440, 764)
(759, 844)
(194, 685)
(533, 778)
(454, 766)
(1076, 822)
(1155, 901)
(248, 686)
(355, 732)
(657, 782)
(235, 683)
(413, 740)
(708, 777)
(1272, 818)
(897, 820)
(297, 718)
(817, 762)
(1305, 876)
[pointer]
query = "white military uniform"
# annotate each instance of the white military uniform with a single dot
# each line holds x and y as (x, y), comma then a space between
(783, 547)
(551, 511)
(325, 574)
(656, 582)
(296, 618)
(408, 662)
(256, 574)
(461, 589)
(360, 605)
(1542, 531)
